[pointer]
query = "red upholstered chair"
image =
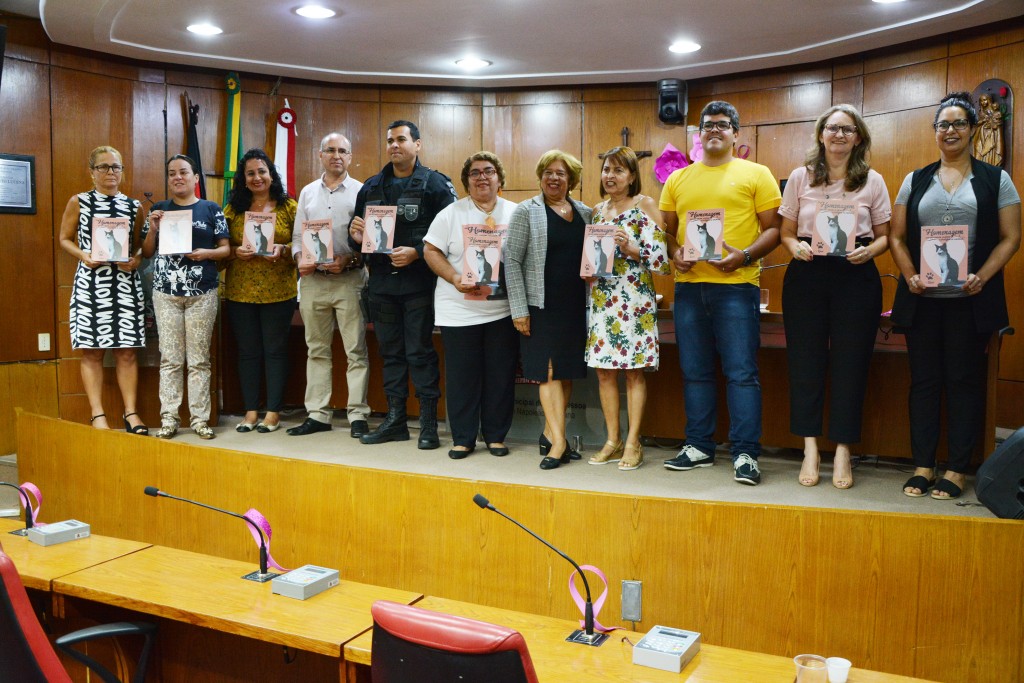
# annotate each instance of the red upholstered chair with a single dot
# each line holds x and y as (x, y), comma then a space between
(26, 655)
(413, 645)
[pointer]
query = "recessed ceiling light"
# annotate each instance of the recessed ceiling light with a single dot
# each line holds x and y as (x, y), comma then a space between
(471, 63)
(205, 29)
(315, 12)
(886, 2)
(683, 46)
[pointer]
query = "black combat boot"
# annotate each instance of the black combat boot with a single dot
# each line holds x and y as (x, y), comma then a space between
(428, 425)
(393, 428)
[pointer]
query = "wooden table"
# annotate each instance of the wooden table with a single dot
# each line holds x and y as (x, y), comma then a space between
(556, 660)
(39, 565)
(205, 591)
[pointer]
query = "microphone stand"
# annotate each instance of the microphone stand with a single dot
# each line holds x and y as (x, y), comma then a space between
(28, 509)
(263, 575)
(587, 636)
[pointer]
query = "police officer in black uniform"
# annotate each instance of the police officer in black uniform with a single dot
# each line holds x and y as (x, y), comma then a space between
(400, 289)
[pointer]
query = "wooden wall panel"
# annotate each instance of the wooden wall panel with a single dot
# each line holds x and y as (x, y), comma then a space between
(792, 103)
(520, 134)
(849, 91)
(26, 39)
(907, 54)
(984, 37)
(358, 121)
(1010, 401)
(31, 387)
(783, 147)
(861, 583)
(27, 265)
(919, 85)
(603, 124)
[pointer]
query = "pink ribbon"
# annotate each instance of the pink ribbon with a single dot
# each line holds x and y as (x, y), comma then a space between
(37, 495)
(598, 604)
(257, 518)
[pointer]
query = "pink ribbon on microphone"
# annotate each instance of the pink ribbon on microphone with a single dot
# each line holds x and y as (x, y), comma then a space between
(257, 518)
(37, 495)
(598, 604)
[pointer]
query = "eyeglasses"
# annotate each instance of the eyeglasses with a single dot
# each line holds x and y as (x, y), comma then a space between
(331, 151)
(107, 168)
(959, 124)
(841, 130)
(488, 172)
(709, 126)
(561, 175)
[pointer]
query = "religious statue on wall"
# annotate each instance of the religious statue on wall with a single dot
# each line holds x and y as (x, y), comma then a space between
(988, 137)
(991, 140)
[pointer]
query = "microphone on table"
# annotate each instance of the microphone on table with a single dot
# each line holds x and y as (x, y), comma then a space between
(263, 575)
(28, 508)
(588, 636)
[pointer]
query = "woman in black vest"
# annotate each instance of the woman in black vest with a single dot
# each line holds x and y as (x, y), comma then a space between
(949, 306)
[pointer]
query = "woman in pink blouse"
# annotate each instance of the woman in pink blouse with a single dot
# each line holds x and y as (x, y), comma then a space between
(835, 220)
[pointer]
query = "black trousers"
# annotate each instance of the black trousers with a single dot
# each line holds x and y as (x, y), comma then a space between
(947, 355)
(262, 331)
(479, 372)
(831, 315)
(404, 325)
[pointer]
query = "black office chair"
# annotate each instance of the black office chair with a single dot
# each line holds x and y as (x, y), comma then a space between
(413, 645)
(27, 656)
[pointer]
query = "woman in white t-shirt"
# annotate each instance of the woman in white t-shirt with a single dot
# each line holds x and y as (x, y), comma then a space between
(463, 247)
(835, 221)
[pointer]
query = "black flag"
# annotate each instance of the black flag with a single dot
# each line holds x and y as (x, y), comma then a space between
(193, 145)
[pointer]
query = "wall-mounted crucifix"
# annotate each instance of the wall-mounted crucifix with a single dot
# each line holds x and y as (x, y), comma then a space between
(625, 143)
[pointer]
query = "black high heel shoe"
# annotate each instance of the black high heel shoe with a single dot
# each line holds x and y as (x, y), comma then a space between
(140, 429)
(545, 448)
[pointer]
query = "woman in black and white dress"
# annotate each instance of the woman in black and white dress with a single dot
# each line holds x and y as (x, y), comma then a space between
(106, 298)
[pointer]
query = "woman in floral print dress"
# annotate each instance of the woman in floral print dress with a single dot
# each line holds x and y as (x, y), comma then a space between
(623, 324)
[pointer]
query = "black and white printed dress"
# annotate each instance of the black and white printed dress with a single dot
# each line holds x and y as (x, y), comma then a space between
(106, 302)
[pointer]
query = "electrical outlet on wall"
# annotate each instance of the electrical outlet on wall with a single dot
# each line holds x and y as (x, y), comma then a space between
(44, 341)
(631, 594)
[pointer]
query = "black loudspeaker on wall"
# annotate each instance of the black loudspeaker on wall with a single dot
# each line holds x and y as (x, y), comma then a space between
(1000, 480)
(672, 100)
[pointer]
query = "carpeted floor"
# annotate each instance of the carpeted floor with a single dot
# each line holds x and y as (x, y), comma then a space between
(878, 484)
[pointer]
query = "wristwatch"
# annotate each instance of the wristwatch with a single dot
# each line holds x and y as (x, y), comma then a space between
(747, 260)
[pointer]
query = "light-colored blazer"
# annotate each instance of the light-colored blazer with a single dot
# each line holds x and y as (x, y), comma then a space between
(526, 248)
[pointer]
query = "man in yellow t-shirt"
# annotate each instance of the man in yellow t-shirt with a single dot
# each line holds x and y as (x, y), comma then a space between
(727, 206)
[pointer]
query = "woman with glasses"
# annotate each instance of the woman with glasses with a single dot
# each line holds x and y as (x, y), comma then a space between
(835, 221)
(548, 297)
(948, 324)
(106, 294)
(623, 326)
(463, 248)
(185, 297)
(260, 289)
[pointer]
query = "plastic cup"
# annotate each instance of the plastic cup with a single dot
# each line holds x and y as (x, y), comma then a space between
(811, 669)
(838, 669)
(765, 296)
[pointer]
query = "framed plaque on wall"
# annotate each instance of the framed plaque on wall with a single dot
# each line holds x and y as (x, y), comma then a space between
(17, 183)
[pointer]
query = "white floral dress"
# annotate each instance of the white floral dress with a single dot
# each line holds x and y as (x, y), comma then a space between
(622, 330)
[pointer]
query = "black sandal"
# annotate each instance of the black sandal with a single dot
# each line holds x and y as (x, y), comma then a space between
(140, 429)
(919, 482)
(948, 487)
(96, 417)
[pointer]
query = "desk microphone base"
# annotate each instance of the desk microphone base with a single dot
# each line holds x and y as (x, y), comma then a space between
(580, 636)
(19, 532)
(260, 578)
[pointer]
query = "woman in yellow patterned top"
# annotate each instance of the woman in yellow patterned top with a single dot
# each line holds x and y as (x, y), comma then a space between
(260, 287)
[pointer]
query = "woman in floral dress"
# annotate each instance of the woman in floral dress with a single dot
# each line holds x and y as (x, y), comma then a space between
(622, 329)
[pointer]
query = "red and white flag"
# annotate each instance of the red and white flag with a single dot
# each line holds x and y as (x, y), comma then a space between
(284, 149)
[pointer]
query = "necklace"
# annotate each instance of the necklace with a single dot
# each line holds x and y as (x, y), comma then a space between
(947, 217)
(562, 207)
(489, 221)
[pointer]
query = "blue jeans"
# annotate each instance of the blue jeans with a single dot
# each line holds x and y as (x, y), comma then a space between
(722, 318)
